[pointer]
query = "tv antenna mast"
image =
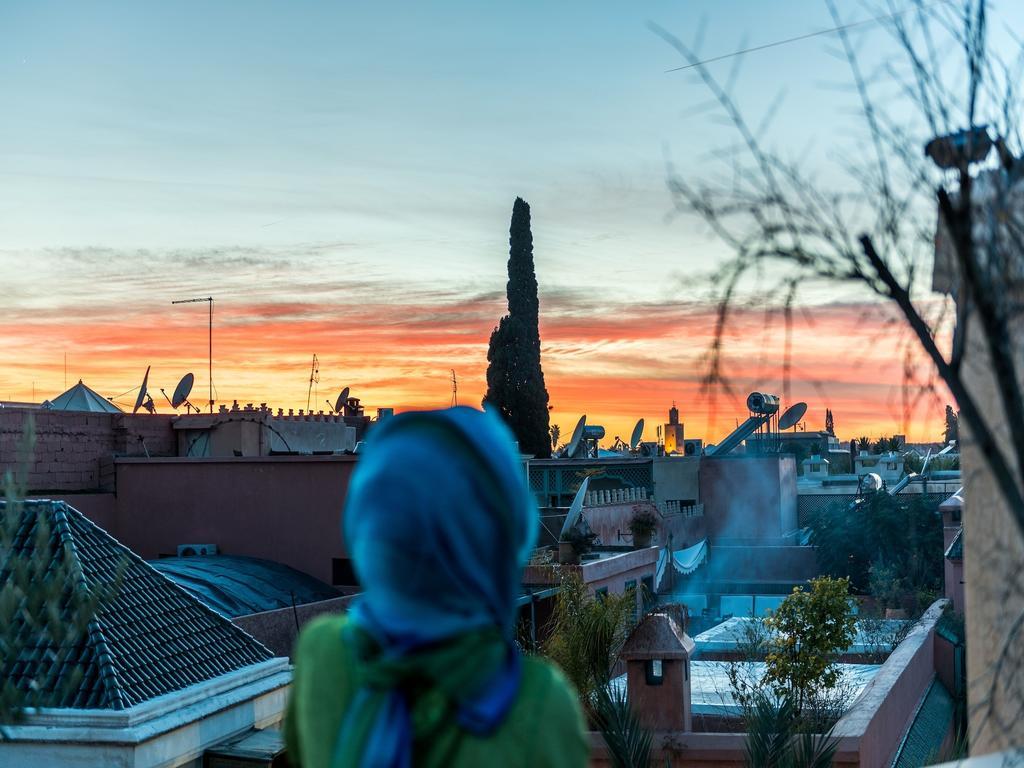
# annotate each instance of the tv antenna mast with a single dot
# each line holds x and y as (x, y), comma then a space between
(210, 300)
(455, 390)
(314, 378)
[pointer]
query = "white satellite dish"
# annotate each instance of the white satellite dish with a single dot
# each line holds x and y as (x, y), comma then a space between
(575, 509)
(792, 416)
(871, 482)
(339, 404)
(183, 390)
(638, 432)
(577, 435)
(143, 391)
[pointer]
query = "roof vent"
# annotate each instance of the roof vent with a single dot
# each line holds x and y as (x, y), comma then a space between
(191, 550)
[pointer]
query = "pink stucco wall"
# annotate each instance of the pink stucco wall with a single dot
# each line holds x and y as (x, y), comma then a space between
(611, 523)
(868, 735)
(282, 508)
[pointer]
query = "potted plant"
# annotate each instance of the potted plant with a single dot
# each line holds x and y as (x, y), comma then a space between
(642, 526)
(566, 551)
(574, 543)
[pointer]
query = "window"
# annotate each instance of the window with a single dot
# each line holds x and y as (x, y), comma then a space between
(654, 672)
(601, 592)
(342, 573)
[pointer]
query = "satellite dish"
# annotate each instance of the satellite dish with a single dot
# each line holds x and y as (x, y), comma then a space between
(141, 399)
(182, 391)
(342, 399)
(577, 435)
(638, 432)
(576, 508)
(871, 482)
(792, 416)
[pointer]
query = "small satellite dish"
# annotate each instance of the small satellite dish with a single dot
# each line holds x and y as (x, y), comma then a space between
(182, 391)
(140, 401)
(871, 482)
(638, 432)
(792, 416)
(342, 399)
(576, 508)
(577, 435)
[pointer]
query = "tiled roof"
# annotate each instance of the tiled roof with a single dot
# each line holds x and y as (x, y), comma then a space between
(150, 639)
(931, 725)
(658, 636)
(956, 547)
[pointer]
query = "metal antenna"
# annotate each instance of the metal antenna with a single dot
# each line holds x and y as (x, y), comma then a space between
(455, 390)
(314, 378)
(194, 301)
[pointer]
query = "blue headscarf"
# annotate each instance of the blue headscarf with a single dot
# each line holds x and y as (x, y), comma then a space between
(439, 523)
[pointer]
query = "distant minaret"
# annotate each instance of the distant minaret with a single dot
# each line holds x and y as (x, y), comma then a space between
(673, 431)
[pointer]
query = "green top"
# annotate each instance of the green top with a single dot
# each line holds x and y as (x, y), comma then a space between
(544, 728)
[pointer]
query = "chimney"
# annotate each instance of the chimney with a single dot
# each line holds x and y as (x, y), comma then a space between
(657, 656)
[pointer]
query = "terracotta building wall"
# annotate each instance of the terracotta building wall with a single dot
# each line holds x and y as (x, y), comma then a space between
(71, 447)
(281, 508)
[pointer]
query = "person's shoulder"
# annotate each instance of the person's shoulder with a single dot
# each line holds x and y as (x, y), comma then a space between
(322, 635)
(552, 708)
(540, 674)
(547, 691)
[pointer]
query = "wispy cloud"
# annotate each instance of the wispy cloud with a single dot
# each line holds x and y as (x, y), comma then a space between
(394, 342)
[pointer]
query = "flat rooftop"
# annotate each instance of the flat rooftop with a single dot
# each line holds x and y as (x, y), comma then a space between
(873, 636)
(711, 692)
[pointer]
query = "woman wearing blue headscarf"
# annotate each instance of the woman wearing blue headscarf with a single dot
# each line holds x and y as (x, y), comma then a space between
(423, 670)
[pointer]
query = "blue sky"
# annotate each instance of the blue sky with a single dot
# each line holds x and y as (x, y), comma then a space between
(273, 152)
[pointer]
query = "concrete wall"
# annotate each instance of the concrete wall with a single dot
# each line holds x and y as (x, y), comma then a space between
(281, 508)
(676, 478)
(885, 710)
(611, 523)
(993, 553)
(749, 498)
(70, 446)
(278, 629)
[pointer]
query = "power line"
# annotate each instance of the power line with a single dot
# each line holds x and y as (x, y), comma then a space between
(809, 35)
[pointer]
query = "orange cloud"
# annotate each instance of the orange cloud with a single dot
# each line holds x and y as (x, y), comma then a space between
(395, 348)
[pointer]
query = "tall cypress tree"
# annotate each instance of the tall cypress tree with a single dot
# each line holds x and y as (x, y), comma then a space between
(515, 381)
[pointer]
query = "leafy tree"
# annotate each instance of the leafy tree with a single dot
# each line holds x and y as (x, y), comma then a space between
(556, 435)
(811, 630)
(586, 636)
(882, 445)
(864, 443)
(895, 443)
(902, 532)
(830, 424)
(515, 380)
(952, 430)
(629, 743)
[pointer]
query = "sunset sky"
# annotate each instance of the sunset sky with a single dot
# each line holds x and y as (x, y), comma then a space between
(340, 176)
